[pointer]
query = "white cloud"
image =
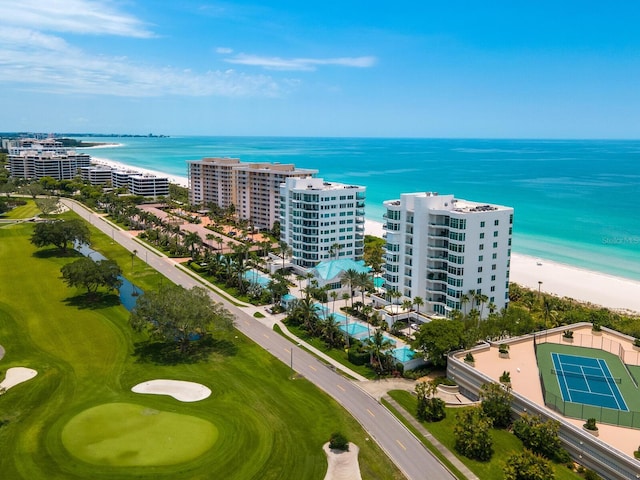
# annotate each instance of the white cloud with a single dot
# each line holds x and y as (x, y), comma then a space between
(301, 64)
(224, 50)
(96, 17)
(35, 61)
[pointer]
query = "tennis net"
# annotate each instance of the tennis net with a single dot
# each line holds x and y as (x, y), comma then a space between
(598, 378)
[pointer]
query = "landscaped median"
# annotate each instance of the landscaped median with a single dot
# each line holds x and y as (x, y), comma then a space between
(255, 424)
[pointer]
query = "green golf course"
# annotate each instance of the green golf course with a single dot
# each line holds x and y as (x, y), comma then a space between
(79, 419)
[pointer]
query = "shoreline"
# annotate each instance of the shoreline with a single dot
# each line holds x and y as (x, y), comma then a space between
(589, 286)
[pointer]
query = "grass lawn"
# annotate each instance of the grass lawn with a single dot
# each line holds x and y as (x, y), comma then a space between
(23, 211)
(87, 358)
(504, 442)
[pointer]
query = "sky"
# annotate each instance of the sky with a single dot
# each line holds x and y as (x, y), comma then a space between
(350, 68)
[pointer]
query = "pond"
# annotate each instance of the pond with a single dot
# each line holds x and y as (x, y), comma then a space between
(128, 292)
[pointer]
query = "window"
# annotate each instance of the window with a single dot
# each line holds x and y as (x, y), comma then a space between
(495, 244)
(493, 289)
(493, 267)
(493, 278)
(494, 256)
(495, 233)
(482, 235)
(496, 222)
(481, 247)
(479, 269)
(480, 258)
(481, 224)
(479, 279)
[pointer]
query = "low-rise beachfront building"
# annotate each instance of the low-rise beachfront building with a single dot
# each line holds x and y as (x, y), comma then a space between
(96, 174)
(252, 188)
(149, 186)
(321, 220)
(452, 253)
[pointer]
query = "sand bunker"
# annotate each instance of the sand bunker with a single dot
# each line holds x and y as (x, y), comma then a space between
(17, 375)
(342, 465)
(182, 391)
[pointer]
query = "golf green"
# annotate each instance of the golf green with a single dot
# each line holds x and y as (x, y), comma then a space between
(128, 435)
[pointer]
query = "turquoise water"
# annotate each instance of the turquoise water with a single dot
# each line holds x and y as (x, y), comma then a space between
(353, 329)
(254, 276)
(574, 200)
(403, 354)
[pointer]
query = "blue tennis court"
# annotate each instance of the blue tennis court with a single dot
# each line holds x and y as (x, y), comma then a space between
(588, 381)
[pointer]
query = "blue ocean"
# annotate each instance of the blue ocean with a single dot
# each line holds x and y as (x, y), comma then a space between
(574, 200)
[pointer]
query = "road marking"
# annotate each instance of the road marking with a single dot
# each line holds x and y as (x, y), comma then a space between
(370, 412)
(400, 443)
(265, 335)
(341, 388)
(246, 323)
(287, 350)
(313, 368)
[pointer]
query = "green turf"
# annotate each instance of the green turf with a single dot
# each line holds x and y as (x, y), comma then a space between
(127, 434)
(22, 211)
(86, 355)
(627, 387)
(504, 442)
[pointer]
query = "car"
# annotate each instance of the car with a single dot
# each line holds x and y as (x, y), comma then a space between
(414, 326)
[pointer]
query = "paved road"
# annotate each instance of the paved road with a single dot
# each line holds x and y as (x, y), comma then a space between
(411, 457)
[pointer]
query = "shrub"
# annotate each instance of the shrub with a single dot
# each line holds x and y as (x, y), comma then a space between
(636, 342)
(472, 435)
(541, 437)
(496, 404)
(528, 466)
(567, 334)
(591, 424)
(503, 348)
(469, 358)
(505, 377)
(430, 408)
(591, 475)
(596, 327)
(339, 442)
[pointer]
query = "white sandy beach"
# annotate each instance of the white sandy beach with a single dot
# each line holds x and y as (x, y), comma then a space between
(616, 293)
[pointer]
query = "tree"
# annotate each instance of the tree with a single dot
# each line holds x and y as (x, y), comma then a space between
(374, 252)
(175, 314)
(496, 404)
(439, 337)
(471, 434)
(60, 233)
(430, 408)
(47, 205)
(338, 442)
(86, 273)
(192, 240)
(283, 250)
(541, 437)
(350, 277)
(526, 465)
(418, 302)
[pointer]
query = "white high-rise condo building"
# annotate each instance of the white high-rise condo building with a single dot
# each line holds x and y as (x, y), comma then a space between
(252, 188)
(321, 220)
(32, 158)
(452, 253)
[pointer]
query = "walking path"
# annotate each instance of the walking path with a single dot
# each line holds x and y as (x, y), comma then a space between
(425, 433)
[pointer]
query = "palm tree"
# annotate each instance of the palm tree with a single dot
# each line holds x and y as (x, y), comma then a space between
(394, 294)
(464, 300)
(418, 302)
(377, 346)
(330, 332)
(283, 250)
(364, 283)
(482, 299)
(548, 310)
(333, 294)
(350, 277)
(191, 240)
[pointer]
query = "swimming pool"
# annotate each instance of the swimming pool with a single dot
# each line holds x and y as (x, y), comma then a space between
(353, 329)
(254, 276)
(403, 354)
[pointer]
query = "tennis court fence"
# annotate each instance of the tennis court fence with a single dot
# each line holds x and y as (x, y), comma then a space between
(610, 416)
(628, 357)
